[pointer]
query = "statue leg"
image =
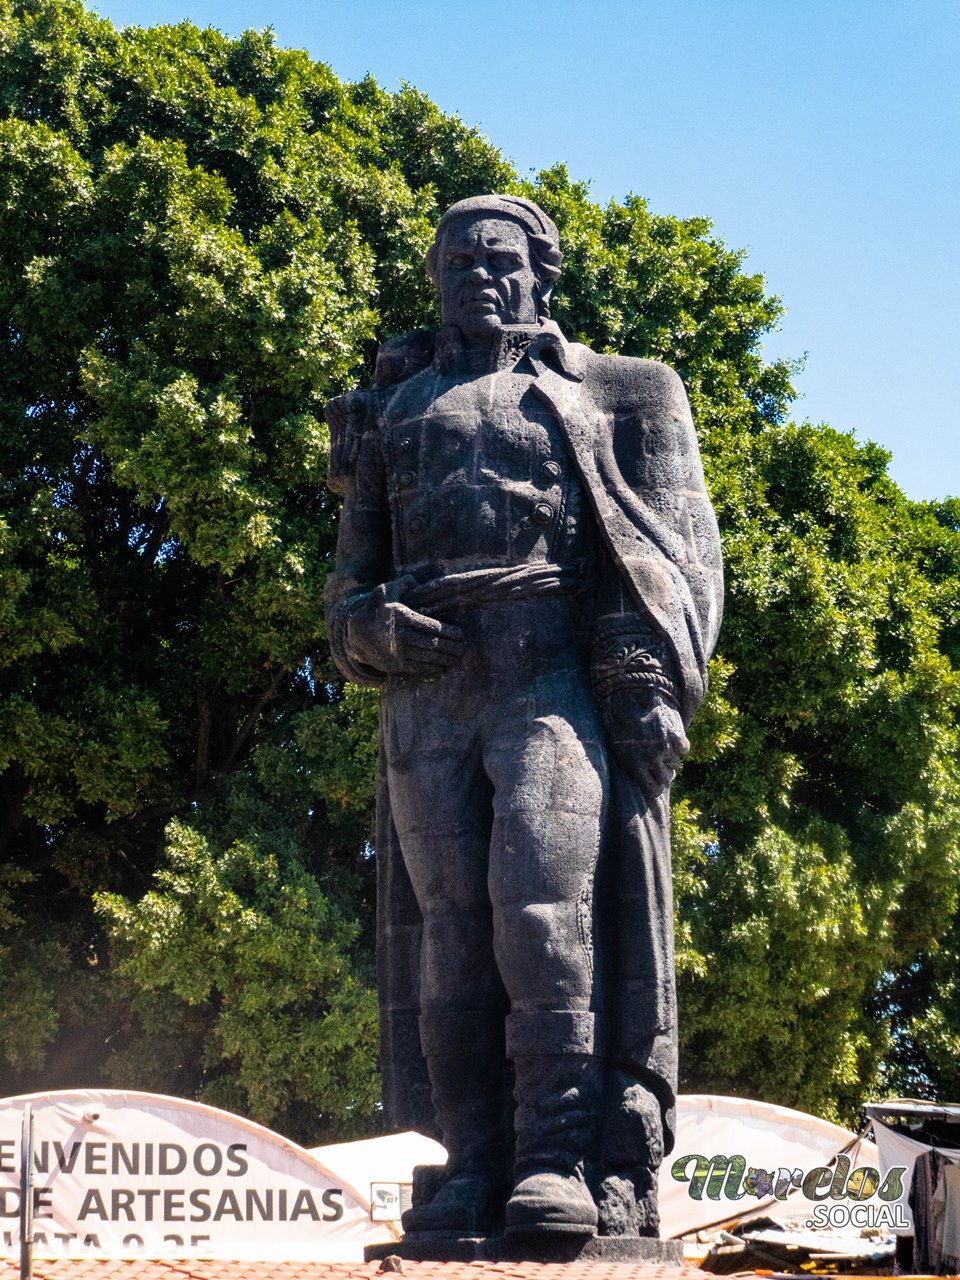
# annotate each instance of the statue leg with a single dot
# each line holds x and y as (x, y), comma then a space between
(549, 769)
(441, 805)
(466, 1060)
(559, 1098)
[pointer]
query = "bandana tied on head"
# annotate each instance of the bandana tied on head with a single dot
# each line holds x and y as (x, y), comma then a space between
(530, 216)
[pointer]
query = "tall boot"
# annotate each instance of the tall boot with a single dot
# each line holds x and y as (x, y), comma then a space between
(465, 1058)
(557, 1124)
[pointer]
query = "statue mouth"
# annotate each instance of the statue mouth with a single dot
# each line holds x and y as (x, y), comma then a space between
(483, 303)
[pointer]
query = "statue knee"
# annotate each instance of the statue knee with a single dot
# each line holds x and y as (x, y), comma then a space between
(542, 949)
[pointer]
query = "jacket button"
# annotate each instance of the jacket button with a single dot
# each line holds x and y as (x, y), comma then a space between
(550, 470)
(406, 444)
(418, 524)
(542, 513)
(407, 480)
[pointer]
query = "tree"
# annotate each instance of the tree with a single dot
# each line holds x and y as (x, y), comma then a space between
(205, 238)
(835, 804)
(817, 822)
(184, 282)
(921, 999)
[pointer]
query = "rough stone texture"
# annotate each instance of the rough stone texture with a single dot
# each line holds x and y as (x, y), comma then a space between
(529, 569)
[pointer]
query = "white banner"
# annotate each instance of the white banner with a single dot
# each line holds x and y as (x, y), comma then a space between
(772, 1145)
(121, 1174)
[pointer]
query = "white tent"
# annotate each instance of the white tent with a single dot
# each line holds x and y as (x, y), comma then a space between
(121, 1174)
(769, 1138)
(379, 1169)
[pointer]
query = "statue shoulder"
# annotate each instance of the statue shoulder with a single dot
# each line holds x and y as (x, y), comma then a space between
(401, 357)
(644, 407)
(355, 415)
(348, 418)
(617, 382)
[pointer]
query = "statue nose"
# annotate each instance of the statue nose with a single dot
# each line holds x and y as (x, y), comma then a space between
(480, 272)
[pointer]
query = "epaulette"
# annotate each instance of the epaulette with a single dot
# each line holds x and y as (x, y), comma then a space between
(401, 357)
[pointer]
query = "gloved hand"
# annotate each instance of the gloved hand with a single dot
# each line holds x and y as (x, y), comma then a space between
(387, 635)
(646, 732)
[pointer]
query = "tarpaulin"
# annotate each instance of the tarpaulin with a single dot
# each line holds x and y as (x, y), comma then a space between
(896, 1150)
(120, 1174)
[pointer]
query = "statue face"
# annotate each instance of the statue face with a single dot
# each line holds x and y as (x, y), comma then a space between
(484, 276)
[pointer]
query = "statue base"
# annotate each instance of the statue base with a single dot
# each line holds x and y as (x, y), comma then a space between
(438, 1246)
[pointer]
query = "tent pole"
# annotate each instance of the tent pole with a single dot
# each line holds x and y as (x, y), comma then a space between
(26, 1194)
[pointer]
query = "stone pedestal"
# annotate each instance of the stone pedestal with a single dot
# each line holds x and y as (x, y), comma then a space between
(439, 1247)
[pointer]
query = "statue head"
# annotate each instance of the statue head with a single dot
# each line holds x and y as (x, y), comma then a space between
(494, 260)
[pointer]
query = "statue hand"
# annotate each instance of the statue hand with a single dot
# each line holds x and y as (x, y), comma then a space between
(647, 736)
(385, 634)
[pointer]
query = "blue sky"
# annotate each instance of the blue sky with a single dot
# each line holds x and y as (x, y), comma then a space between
(821, 136)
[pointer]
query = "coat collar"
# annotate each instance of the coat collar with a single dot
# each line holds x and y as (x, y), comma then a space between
(544, 344)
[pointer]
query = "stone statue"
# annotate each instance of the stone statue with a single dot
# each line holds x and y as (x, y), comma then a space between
(529, 569)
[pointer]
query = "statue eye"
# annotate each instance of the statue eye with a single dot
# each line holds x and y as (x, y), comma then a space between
(505, 261)
(459, 259)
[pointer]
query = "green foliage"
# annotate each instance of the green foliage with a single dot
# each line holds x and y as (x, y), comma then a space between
(286, 1026)
(827, 761)
(27, 1020)
(202, 240)
(641, 285)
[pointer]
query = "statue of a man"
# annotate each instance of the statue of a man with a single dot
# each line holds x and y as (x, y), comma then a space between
(529, 569)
